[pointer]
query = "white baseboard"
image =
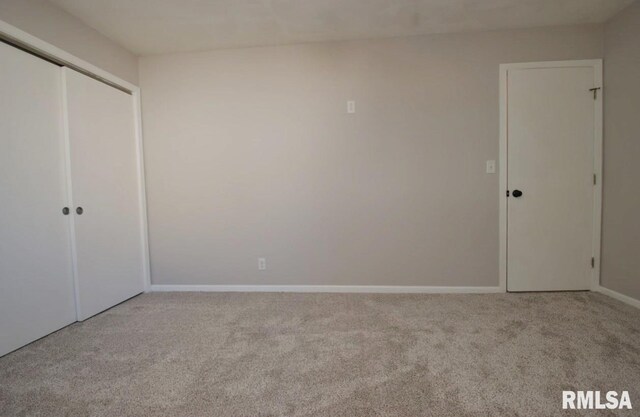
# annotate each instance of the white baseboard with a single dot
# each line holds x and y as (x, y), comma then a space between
(328, 289)
(620, 297)
(388, 289)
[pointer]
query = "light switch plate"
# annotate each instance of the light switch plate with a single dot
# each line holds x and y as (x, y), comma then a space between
(351, 107)
(491, 167)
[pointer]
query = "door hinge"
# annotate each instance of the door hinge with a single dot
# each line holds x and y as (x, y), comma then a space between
(595, 92)
(593, 262)
(594, 179)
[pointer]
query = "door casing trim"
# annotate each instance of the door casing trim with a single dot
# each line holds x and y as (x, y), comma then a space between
(596, 64)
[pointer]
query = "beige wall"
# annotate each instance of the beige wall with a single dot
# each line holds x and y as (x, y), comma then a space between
(621, 205)
(51, 24)
(250, 153)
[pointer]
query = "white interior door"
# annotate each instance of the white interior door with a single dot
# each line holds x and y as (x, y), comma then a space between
(36, 281)
(103, 152)
(550, 152)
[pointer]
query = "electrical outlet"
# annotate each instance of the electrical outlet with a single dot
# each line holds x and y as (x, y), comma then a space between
(351, 107)
(491, 167)
(262, 264)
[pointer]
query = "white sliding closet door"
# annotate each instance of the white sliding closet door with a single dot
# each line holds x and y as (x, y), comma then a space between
(36, 281)
(104, 166)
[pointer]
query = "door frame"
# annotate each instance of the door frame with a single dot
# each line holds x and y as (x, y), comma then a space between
(54, 54)
(596, 64)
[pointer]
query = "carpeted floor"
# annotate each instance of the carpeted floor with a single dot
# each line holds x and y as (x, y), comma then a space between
(217, 354)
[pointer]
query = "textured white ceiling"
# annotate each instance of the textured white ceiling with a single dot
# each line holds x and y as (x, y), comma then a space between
(165, 26)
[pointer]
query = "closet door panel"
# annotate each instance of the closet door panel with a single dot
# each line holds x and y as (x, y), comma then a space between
(104, 174)
(36, 281)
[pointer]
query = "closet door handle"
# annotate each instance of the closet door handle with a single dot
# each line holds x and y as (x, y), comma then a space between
(65, 211)
(79, 210)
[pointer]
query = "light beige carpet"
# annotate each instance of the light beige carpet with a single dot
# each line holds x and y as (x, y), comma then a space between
(190, 354)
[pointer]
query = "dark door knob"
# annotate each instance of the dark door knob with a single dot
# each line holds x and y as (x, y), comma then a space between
(79, 210)
(65, 210)
(517, 193)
